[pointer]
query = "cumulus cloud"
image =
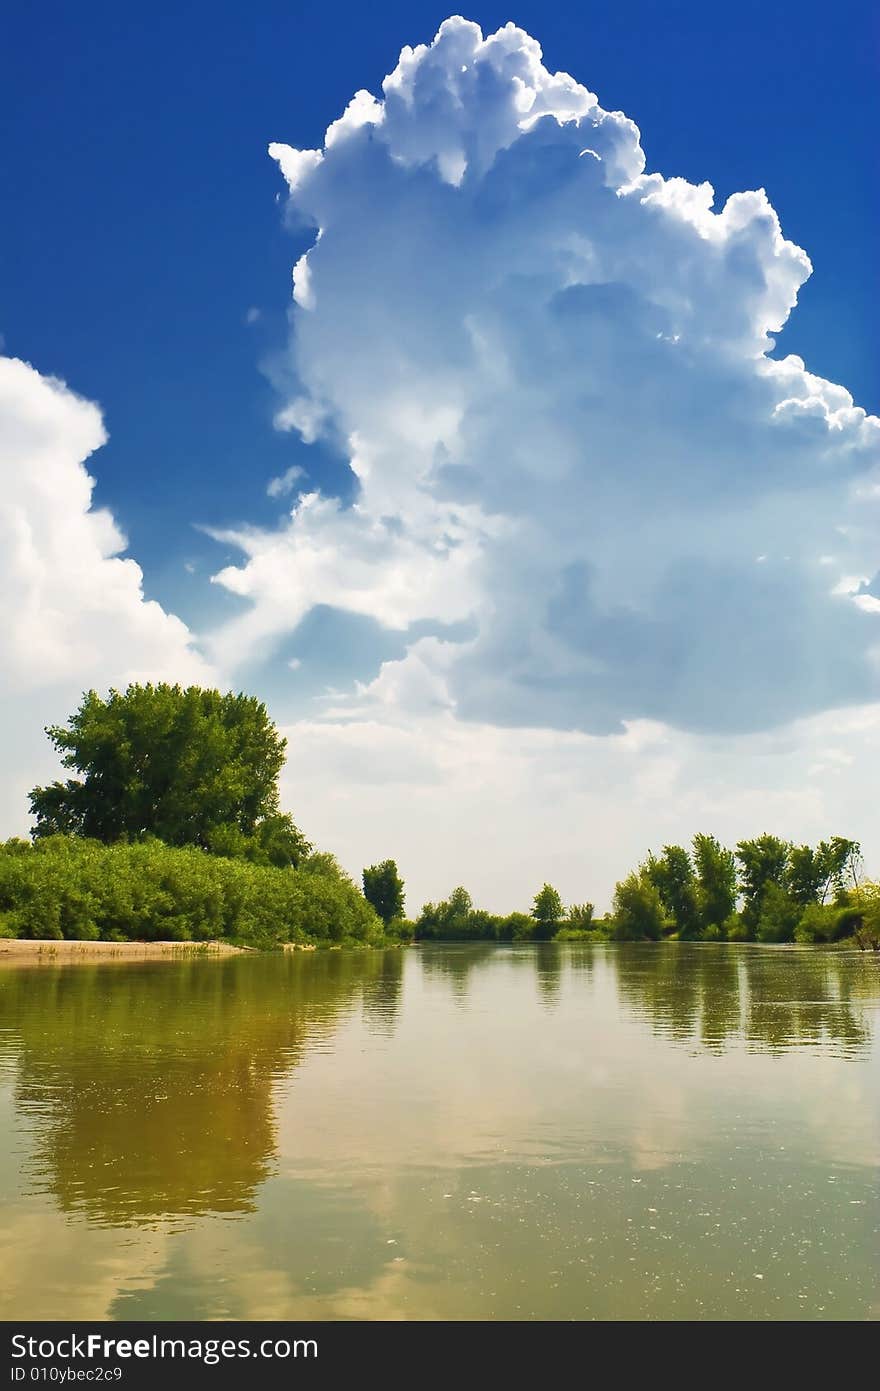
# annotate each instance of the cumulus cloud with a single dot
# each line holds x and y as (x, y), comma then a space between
(74, 613)
(552, 374)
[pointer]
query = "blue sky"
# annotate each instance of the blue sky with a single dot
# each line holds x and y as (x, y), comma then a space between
(141, 221)
(575, 554)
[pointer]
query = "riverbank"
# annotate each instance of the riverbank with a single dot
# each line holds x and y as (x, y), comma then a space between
(27, 951)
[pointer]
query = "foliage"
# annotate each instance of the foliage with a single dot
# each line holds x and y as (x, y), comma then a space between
(456, 919)
(275, 841)
(866, 901)
(715, 870)
(600, 930)
(580, 917)
(383, 888)
(188, 766)
(547, 911)
(693, 895)
(77, 888)
(400, 930)
(814, 873)
(637, 909)
(516, 927)
(763, 861)
(672, 875)
(779, 915)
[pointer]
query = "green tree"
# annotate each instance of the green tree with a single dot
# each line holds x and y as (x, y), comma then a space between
(516, 927)
(806, 875)
(178, 764)
(581, 916)
(840, 862)
(672, 874)
(449, 920)
(456, 912)
(276, 841)
(383, 889)
(716, 882)
(763, 861)
(779, 915)
(547, 911)
(637, 910)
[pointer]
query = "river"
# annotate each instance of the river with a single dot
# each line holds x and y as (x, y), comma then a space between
(445, 1132)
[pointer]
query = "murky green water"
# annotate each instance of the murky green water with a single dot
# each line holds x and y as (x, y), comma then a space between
(458, 1132)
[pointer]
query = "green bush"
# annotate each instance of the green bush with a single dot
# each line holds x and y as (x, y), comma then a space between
(779, 915)
(78, 889)
(817, 923)
(637, 910)
(400, 930)
(596, 933)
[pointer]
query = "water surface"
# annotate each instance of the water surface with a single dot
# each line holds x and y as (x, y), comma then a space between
(553, 1132)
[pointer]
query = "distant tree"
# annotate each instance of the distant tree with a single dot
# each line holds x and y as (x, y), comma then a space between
(806, 874)
(715, 881)
(672, 874)
(456, 911)
(449, 920)
(841, 865)
(833, 867)
(637, 910)
(187, 766)
(779, 915)
(763, 861)
(517, 927)
(580, 916)
(383, 888)
(866, 927)
(547, 910)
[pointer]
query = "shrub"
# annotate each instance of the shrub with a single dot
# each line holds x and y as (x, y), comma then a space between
(779, 915)
(70, 887)
(637, 910)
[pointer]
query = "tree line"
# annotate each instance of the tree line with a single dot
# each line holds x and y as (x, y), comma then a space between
(766, 890)
(171, 827)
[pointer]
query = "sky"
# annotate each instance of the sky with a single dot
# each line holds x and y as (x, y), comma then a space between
(545, 512)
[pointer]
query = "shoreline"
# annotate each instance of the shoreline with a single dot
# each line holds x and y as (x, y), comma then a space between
(48, 951)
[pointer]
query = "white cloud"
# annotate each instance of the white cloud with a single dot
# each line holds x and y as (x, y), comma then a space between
(552, 373)
(551, 376)
(73, 608)
(368, 565)
(286, 482)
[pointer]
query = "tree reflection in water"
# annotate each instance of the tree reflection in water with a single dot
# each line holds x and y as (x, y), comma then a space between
(774, 998)
(148, 1089)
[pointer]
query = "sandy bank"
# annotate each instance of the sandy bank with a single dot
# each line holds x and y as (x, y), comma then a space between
(18, 951)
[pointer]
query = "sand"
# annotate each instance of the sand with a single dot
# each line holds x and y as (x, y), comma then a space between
(19, 951)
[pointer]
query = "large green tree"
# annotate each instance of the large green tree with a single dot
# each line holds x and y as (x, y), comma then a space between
(383, 889)
(637, 910)
(672, 874)
(548, 912)
(762, 861)
(716, 881)
(189, 766)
